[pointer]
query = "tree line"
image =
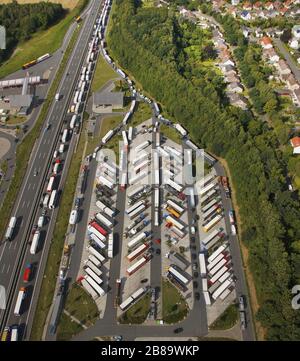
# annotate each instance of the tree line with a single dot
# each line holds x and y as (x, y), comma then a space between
(21, 21)
(147, 42)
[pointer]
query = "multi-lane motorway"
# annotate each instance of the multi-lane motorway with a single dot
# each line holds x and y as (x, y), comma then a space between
(15, 255)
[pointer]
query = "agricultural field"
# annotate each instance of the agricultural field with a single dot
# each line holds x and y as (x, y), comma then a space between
(68, 4)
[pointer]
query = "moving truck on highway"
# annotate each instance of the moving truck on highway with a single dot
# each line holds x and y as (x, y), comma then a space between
(73, 121)
(130, 134)
(126, 118)
(110, 250)
(20, 298)
(136, 240)
(202, 264)
(56, 168)
(156, 108)
(212, 223)
(125, 139)
(64, 137)
(50, 185)
(156, 218)
(136, 266)
(73, 217)
(95, 285)
(180, 129)
(10, 229)
(35, 242)
(207, 298)
(46, 200)
(107, 136)
(137, 252)
(89, 289)
(157, 139)
(175, 222)
(14, 333)
(27, 273)
(178, 275)
(52, 201)
(101, 218)
(61, 148)
(41, 221)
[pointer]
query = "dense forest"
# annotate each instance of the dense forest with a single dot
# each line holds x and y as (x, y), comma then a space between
(153, 45)
(21, 21)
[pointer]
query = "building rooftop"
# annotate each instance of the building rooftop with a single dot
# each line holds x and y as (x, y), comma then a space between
(104, 98)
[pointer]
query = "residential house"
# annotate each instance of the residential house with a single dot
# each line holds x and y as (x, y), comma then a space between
(257, 5)
(277, 4)
(269, 5)
(295, 143)
(245, 15)
(292, 82)
(232, 11)
(247, 6)
(283, 68)
(232, 78)
(283, 10)
(266, 43)
(235, 87)
(294, 43)
(270, 55)
(237, 100)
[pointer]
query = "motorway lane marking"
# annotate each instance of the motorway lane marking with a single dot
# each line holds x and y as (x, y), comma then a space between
(44, 141)
(39, 155)
(43, 155)
(33, 186)
(8, 268)
(28, 204)
(48, 141)
(3, 268)
(29, 186)
(23, 204)
(15, 246)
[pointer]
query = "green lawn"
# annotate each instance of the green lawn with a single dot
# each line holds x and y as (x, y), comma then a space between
(103, 74)
(137, 313)
(67, 328)
(81, 305)
(175, 308)
(14, 119)
(170, 133)
(227, 320)
(142, 112)
(47, 41)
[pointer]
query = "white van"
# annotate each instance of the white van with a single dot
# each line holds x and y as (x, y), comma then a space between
(46, 200)
(41, 221)
(57, 96)
(61, 148)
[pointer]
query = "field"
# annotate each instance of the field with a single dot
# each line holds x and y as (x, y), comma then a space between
(103, 74)
(137, 313)
(42, 42)
(68, 4)
(175, 308)
(227, 320)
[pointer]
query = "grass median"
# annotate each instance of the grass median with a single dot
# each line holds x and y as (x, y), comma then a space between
(24, 149)
(227, 320)
(47, 41)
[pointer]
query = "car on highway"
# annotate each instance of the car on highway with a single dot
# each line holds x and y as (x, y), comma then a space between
(197, 296)
(34, 228)
(157, 241)
(27, 273)
(195, 284)
(195, 266)
(178, 330)
(144, 280)
(117, 338)
(157, 251)
(35, 172)
(241, 303)
(243, 320)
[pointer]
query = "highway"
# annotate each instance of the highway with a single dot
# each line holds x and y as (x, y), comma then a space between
(15, 255)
